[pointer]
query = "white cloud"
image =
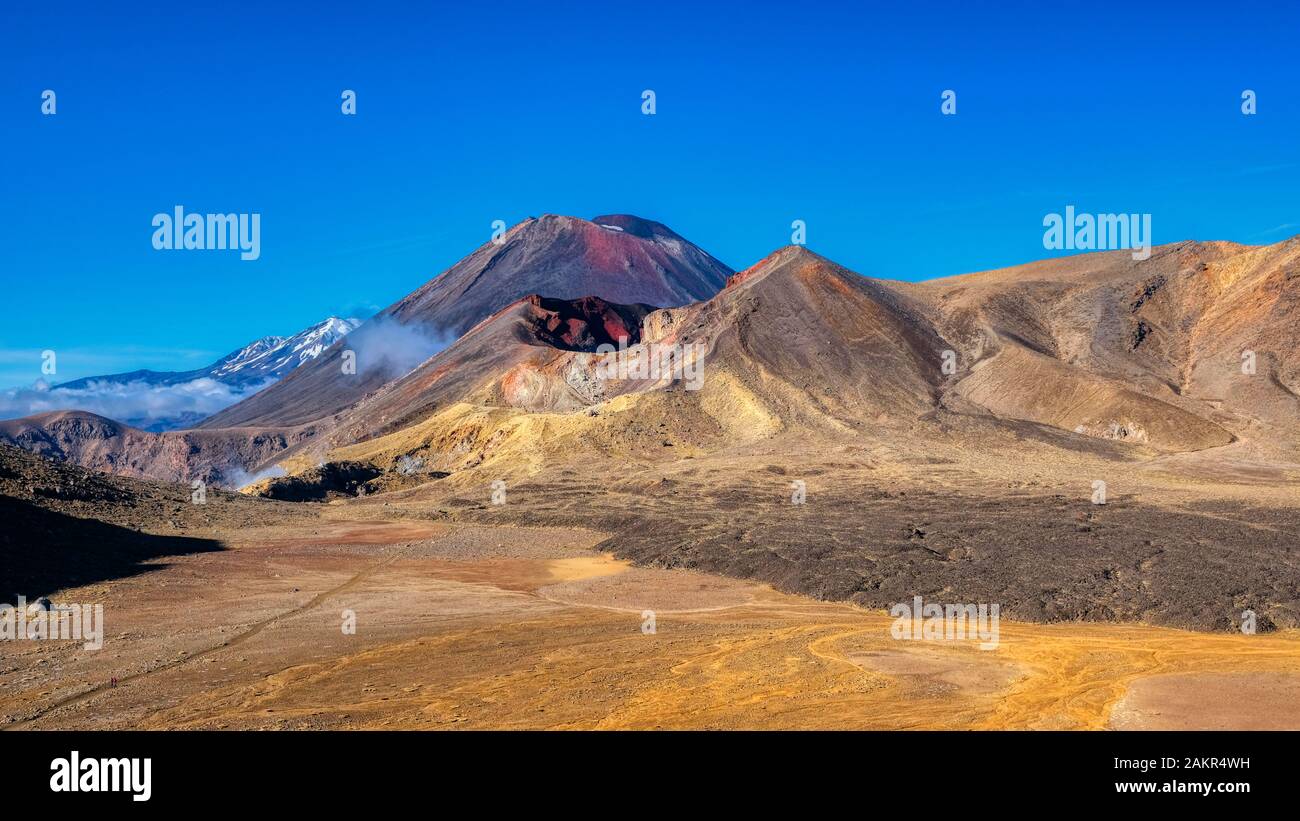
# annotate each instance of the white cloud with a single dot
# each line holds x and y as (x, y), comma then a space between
(394, 346)
(136, 403)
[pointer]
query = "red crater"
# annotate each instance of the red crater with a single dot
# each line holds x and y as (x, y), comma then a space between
(584, 323)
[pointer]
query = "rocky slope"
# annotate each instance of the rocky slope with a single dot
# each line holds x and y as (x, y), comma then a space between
(224, 458)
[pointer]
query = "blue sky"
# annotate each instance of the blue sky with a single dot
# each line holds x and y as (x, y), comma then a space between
(767, 112)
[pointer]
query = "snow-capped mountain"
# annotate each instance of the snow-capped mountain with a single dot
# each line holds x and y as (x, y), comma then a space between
(272, 357)
(165, 400)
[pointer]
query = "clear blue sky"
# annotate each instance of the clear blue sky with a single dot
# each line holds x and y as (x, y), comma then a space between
(472, 112)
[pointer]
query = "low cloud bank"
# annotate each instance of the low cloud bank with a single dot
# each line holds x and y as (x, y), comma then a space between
(138, 404)
(382, 343)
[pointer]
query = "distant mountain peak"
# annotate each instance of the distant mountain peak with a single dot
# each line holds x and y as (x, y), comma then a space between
(165, 400)
(271, 357)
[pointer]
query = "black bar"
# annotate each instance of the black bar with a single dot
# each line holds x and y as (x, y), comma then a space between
(210, 770)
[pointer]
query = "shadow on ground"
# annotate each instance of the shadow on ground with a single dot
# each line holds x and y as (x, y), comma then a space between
(42, 551)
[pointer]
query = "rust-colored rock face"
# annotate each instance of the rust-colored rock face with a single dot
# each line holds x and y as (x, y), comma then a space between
(584, 324)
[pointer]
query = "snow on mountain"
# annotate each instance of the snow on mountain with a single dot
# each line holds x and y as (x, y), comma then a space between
(274, 356)
(166, 400)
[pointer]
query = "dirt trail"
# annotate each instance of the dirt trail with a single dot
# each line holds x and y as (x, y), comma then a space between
(511, 627)
(252, 631)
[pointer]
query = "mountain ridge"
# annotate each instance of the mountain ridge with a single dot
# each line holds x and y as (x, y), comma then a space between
(1091, 353)
(269, 357)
